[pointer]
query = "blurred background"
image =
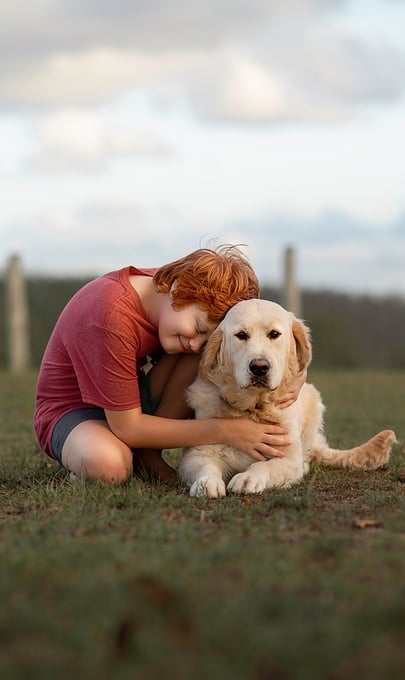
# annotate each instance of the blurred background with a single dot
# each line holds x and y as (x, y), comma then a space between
(134, 132)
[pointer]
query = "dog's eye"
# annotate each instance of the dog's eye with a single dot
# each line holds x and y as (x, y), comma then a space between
(242, 335)
(274, 334)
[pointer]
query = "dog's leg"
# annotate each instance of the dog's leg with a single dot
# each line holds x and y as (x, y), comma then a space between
(202, 474)
(368, 456)
(278, 472)
(209, 482)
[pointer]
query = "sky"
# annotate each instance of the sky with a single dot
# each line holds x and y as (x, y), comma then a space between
(135, 131)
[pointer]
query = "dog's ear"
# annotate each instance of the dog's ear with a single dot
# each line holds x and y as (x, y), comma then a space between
(210, 355)
(302, 344)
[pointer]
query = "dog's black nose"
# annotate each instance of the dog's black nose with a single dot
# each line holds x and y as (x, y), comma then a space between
(259, 367)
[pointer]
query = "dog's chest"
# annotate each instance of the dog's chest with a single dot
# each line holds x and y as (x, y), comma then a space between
(246, 405)
(210, 401)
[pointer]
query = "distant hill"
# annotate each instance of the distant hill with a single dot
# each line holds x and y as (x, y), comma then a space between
(352, 331)
(347, 331)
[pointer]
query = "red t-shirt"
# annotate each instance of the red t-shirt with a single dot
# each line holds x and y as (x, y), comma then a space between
(93, 353)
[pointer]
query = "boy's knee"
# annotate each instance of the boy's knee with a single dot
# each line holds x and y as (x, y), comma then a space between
(110, 464)
(114, 466)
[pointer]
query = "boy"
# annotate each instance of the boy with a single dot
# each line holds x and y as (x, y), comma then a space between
(97, 414)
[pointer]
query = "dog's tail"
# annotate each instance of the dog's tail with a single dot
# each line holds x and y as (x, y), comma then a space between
(368, 456)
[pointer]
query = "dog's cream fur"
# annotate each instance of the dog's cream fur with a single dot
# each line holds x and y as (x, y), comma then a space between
(254, 354)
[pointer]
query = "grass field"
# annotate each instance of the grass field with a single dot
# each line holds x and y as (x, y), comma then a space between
(140, 581)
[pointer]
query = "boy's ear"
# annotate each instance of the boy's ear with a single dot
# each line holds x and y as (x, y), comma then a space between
(209, 358)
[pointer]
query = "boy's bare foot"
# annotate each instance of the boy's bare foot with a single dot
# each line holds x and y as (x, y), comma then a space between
(151, 462)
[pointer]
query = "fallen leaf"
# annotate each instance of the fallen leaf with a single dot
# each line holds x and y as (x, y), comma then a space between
(367, 523)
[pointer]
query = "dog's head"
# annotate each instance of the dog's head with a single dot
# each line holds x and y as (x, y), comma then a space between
(259, 345)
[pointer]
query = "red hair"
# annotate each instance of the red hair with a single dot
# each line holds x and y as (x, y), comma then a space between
(214, 279)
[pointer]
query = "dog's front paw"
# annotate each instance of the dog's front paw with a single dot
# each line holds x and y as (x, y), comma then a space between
(208, 486)
(247, 482)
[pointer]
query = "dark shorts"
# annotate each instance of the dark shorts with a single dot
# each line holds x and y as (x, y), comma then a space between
(68, 422)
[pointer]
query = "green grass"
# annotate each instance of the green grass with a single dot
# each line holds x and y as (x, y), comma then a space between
(140, 581)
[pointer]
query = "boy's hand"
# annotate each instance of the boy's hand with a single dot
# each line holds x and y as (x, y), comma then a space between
(293, 391)
(261, 441)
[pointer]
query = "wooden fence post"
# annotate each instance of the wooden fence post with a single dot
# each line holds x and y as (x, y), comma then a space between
(17, 324)
(291, 296)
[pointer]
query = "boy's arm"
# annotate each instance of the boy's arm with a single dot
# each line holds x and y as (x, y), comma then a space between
(139, 430)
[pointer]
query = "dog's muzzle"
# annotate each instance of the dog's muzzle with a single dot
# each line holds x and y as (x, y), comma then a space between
(259, 370)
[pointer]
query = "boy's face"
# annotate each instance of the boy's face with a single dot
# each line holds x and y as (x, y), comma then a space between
(185, 330)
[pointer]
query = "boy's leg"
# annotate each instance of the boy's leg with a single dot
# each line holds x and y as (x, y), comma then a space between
(92, 450)
(169, 380)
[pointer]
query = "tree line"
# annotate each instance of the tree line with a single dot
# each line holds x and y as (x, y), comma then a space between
(347, 331)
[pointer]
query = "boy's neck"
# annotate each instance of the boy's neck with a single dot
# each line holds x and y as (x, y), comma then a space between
(150, 299)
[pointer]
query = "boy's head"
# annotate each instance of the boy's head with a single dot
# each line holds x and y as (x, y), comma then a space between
(214, 279)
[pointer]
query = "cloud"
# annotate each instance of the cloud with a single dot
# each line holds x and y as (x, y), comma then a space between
(49, 26)
(79, 140)
(248, 61)
(96, 230)
(86, 76)
(333, 250)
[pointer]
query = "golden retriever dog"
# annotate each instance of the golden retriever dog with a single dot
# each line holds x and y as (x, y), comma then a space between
(254, 354)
